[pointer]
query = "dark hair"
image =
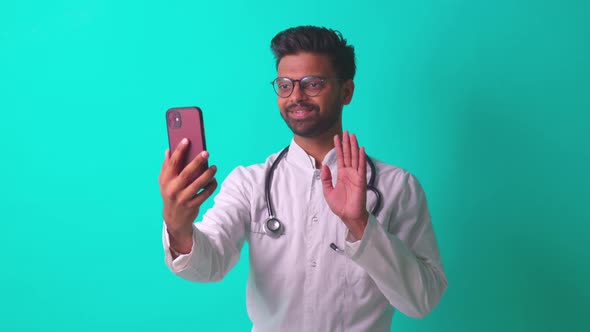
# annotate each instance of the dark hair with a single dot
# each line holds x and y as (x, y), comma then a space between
(317, 40)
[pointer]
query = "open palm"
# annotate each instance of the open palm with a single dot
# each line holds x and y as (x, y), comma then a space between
(347, 199)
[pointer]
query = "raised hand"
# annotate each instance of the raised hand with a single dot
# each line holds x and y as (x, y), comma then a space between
(348, 198)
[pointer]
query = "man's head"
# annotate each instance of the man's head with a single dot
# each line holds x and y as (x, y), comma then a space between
(322, 59)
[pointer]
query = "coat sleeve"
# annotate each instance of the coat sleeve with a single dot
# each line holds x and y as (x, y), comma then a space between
(219, 237)
(401, 254)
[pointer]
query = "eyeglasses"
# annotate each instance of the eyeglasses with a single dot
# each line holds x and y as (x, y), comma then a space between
(310, 85)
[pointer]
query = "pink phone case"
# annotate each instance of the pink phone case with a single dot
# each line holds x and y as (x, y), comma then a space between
(187, 122)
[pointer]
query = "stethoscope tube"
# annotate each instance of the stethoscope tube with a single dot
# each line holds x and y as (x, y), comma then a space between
(268, 182)
(371, 187)
(273, 227)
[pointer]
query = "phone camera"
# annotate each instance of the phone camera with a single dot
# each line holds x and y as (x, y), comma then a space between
(174, 120)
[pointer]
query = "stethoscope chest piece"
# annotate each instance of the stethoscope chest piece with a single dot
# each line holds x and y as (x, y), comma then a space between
(273, 227)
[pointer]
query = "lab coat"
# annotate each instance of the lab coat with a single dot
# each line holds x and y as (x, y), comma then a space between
(296, 281)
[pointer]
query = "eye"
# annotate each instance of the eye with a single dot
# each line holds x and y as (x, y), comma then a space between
(283, 85)
(313, 83)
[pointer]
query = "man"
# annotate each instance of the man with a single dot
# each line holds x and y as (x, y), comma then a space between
(327, 259)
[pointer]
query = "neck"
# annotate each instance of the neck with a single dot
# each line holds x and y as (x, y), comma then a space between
(318, 146)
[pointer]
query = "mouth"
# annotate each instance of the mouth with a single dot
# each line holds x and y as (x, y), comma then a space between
(300, 112)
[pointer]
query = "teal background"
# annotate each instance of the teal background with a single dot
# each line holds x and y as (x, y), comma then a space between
(486, 102)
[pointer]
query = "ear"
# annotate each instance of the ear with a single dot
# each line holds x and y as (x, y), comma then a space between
(347, 91)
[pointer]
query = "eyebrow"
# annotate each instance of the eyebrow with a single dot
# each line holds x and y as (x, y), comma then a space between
(321, 76)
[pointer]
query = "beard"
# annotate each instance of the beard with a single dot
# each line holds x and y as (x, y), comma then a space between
(315, 124)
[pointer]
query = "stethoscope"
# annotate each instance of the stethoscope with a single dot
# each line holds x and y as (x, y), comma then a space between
(273, 226)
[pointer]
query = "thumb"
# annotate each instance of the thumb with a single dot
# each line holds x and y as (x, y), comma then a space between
(326, 177)
(165, 163)
(167, 157)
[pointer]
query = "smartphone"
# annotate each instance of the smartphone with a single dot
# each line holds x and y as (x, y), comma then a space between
(187, 122)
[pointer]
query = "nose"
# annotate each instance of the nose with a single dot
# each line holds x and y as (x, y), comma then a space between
(297, 94)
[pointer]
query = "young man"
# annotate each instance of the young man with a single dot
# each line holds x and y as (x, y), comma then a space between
(330, 249)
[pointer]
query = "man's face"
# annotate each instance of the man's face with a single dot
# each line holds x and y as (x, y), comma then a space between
(313, 116)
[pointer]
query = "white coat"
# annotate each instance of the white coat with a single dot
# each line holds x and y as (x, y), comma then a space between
(296, 281)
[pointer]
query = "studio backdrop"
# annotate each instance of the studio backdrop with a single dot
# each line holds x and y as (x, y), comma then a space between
(486, 102)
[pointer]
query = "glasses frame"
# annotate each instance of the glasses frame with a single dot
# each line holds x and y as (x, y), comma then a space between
(294, 82)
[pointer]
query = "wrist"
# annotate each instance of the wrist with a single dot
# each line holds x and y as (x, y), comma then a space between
(357, 226)
(180, 232)
(181, 241)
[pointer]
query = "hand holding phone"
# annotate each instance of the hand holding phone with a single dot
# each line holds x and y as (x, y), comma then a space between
(186, 181)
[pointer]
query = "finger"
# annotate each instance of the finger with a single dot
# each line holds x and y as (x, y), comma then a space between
(166, 157)
(338, 147)
(363, 164)
(175, 161)
(354, 152)
(200, 183)
(194, 166)
(346, 149)
(326, 176)
(164, 164)
(203, 195)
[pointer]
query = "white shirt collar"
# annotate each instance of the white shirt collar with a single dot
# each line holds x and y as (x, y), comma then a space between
(300, 158)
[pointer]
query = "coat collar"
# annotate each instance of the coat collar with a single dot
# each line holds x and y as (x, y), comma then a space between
(297, 156)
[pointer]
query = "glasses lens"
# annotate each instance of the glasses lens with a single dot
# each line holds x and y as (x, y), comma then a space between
(312, 85)
(283, 86)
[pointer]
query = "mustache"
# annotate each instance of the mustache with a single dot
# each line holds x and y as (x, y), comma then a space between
(302, 104)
